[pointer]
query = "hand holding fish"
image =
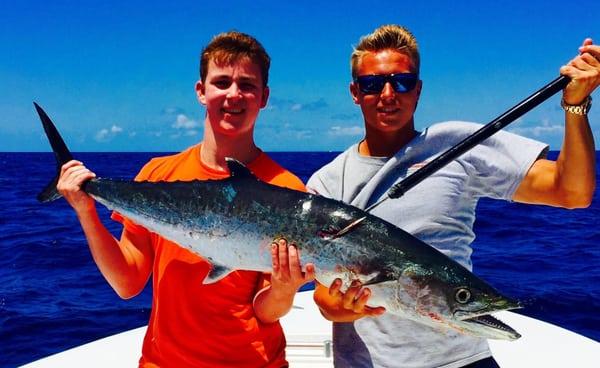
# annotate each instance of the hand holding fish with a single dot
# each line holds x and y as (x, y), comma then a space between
(72, 175)
(338, 306)
(287, 275)
(275, 300)
(584, 71)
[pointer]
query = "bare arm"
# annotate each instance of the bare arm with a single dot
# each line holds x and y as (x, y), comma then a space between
(275, 300)
(570, 180)
(125, 264)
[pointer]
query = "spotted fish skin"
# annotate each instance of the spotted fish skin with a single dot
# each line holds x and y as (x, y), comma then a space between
(232, 222)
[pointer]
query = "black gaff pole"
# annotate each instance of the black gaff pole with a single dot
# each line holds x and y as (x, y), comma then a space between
(474, 139)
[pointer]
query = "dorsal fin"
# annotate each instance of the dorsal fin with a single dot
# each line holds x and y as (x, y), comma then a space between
(216, 273)
(238, 169)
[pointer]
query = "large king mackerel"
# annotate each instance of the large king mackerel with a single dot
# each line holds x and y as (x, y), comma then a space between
(232, 223)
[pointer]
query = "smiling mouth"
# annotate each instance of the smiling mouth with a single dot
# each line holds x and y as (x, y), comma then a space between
(233, 111)
(388, 110)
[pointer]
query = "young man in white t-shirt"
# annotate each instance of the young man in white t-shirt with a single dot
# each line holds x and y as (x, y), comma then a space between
(441, 209)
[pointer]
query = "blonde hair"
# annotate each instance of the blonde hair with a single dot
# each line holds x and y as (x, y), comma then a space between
(228, 47)
(387, 37)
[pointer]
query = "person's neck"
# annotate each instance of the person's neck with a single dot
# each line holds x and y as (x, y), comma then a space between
(215, 148)
(385, 144)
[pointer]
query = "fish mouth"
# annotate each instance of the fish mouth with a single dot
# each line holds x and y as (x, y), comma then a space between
(488, 321)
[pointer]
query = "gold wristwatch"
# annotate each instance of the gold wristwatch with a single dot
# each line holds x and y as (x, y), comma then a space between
(581, 109)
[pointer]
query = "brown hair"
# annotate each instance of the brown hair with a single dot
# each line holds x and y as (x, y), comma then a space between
(228, 47)
(391, 37)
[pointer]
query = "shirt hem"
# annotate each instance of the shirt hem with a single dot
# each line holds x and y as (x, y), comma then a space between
(469, 360)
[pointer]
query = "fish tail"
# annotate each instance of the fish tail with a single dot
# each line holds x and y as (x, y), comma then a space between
(61, 153)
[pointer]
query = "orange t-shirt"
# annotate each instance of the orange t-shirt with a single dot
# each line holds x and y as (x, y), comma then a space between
(214, 325)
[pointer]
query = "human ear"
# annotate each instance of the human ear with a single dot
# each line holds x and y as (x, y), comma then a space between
(354, 92)
(265, 97)
(418, 88)
(200, 92)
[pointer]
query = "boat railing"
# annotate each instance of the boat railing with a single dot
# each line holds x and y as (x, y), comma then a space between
(325, 346)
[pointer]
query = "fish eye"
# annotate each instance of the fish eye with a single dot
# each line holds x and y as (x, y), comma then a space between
(462, 295)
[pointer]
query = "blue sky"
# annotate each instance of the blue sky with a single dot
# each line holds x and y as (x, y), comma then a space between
(119, 75)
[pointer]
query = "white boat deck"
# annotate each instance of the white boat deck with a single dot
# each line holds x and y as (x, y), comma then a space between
(309, 344)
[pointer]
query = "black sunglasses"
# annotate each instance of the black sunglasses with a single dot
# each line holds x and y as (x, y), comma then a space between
(373, 84)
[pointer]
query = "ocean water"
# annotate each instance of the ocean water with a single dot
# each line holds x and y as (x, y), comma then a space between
(52, 297)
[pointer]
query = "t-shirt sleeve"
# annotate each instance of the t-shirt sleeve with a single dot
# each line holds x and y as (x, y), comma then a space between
(315, 185)
(501, 162)
(128, 224)
(288, 180)
(327, 181)
(293, 182)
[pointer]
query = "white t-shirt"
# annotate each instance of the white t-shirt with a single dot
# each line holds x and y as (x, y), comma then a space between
(439, 211)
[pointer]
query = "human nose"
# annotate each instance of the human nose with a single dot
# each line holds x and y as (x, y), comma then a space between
(388, 91)
(234, 91)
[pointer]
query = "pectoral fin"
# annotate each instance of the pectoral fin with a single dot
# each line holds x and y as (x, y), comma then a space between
(331, 233)
(378, 278)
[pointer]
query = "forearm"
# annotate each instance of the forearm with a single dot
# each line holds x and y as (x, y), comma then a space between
(570, 181)
(270, 305)
(123, 265)
(576, 166)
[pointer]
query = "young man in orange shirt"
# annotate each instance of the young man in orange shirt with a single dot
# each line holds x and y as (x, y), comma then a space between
(233, 322)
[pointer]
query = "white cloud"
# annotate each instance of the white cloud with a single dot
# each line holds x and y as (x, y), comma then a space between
(106, 134)
(537, 131)
(183, 122)
(303, 134)
(344, 117)
(346, 131)
(102, 134)
(316, 105)
(288, 104)
(172, 110)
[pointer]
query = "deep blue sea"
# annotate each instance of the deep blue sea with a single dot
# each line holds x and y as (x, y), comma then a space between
(53, 298)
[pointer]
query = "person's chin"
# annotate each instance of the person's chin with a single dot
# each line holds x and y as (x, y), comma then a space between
(389, 115)
(231, 128)
(389, 126)
(390, 120)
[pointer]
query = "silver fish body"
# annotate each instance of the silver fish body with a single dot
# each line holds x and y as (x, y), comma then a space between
(232, 223)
